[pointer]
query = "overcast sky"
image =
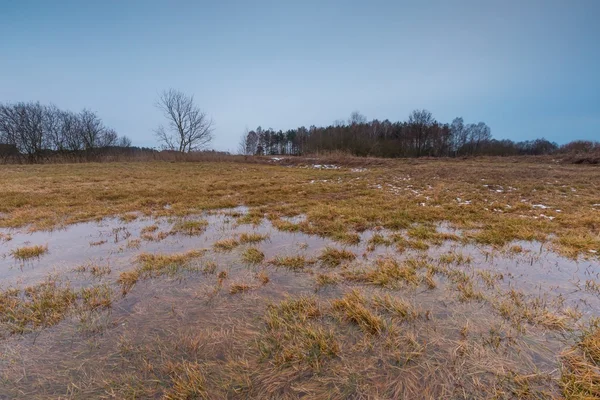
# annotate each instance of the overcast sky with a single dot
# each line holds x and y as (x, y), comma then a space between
(527, 68)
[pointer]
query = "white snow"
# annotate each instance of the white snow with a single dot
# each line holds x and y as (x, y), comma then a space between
(325, 166)
(543, 207)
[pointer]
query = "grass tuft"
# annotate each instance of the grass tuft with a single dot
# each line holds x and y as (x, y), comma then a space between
(353, 307)
(290, 262)
(226, 244)
(29, 252)
(253, 255)
(580, 378)
(387, 272)
(332, 257)
(190, 227)
(253, 237)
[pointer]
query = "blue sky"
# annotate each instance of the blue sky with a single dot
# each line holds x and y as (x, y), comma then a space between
(527, 68)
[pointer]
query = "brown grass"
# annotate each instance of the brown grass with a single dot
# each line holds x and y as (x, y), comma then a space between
(387, 272)
(253, 237)
(331, 209)
(190, 227)
(29, 252)
(581, 367)
(353, 307)
(332, 257)
(291, 262)
(253, 255)
(153, 265)
(226, 244)
(296, 335)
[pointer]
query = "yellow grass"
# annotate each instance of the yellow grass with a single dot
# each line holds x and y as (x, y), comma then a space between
(29, 252)
(91, 191)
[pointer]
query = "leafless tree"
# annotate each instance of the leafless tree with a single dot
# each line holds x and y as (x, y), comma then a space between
(356, 118)
(124, 141)
(188, 127)
(421, 122)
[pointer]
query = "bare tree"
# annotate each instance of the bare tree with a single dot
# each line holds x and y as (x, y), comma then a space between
(91, 130)
(356, 118)
(188, 127)
(421, 122)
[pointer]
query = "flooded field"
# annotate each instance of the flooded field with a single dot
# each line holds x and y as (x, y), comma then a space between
(221, 308)
(459, 280)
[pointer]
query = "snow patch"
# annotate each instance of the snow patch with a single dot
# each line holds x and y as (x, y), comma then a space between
(543, 207)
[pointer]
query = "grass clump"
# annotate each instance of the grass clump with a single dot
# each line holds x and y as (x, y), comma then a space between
(387, 272)
(149, 229)
(94, 270)
(97, 297)
(128, 279)
(263, 277)
(253, 237)
(353, 307)
(35, 307)
(239, 287)
(295, 334)
(396, 306)
(332, 257)
(580, 378)
(153, 265)
(379, 240)
(226, 244)
(188, 381)
(190, 227)
(159, 264)
(325, 279)
(253, 255)
(454, 258)
(291, 262)
(29, 252)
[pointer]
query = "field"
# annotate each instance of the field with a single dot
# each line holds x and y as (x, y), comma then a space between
(291, 278)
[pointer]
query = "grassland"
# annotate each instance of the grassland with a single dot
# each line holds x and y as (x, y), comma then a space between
(402, 279)
(496, 202)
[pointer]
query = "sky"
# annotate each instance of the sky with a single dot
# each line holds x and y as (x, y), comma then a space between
(527, 68)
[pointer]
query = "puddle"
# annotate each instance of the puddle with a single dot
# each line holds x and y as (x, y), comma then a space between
(161, 316)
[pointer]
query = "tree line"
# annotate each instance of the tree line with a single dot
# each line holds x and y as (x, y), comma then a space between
(33, 132)
(421, 135)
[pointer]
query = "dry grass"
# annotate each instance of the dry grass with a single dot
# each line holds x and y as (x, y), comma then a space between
(96, 297)
(387, 272)
(353, 307)
(397, 306)
(253, 255)
(332, 257)
(291, 262)
(153, 265)
(94, 269)
(35, 307)
(190, 227)
(581, 367)
(455, 190)
(188, 382)
(226, 244)
(357, 344)
(46, 304)
(325, 279)
(253, 237)
(5, 237)
(295, 334)
(29, 252)
(239, 287)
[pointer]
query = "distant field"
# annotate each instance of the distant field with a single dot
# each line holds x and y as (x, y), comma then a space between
(300, 277)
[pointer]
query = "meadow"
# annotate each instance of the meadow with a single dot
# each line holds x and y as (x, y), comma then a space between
(288, 277)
